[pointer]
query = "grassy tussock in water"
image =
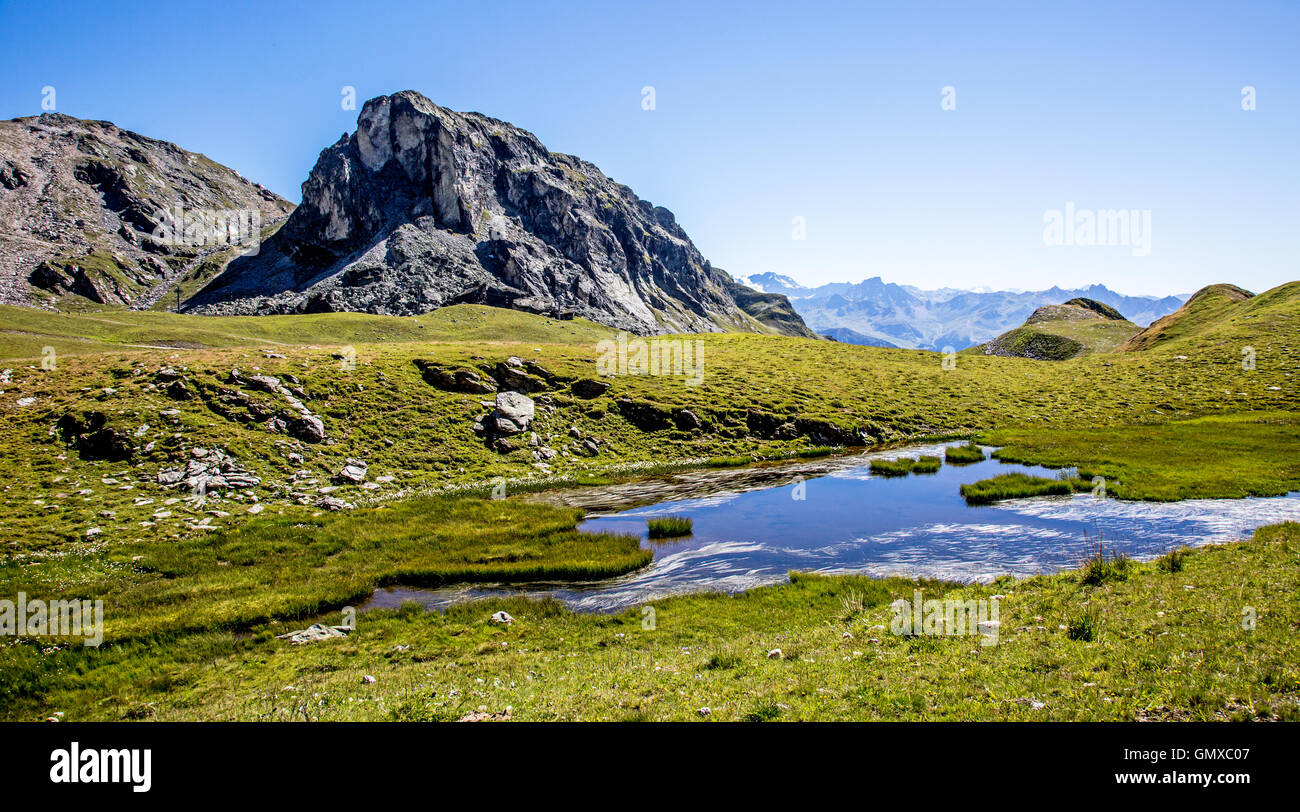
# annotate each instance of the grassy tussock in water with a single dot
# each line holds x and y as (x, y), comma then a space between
(1012, 486)
(963, 454)
(926, 465)
(899, 467)
(670, 527)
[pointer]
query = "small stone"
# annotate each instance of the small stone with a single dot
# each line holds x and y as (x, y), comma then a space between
(333, 503)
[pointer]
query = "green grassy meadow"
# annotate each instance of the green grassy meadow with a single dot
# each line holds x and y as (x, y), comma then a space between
(195, 593)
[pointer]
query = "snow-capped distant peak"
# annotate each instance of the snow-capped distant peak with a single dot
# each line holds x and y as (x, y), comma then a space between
(769, 282)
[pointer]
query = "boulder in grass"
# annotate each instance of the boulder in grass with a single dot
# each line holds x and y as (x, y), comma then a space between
(315, 633)
(308, 428)
(514, 413)
(354, 471)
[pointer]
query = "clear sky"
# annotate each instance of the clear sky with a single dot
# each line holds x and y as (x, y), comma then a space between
(765, 112)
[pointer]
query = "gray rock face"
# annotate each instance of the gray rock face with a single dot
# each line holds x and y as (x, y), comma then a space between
(424, 207)
(208, 470)
(80, 200)
(308, 428)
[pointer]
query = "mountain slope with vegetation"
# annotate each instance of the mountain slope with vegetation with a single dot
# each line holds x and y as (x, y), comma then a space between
(1206, 310)
(1056, 332)
(304, 516)
(81, 200)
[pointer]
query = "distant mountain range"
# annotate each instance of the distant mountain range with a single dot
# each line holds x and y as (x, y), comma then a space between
(883, 314)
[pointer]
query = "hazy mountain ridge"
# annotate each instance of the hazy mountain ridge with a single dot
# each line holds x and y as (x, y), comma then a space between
(914, 318)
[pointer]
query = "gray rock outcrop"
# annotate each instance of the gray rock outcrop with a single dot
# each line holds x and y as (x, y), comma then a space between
(424, 207)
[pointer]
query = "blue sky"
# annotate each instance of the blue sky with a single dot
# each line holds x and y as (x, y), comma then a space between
(765, 112)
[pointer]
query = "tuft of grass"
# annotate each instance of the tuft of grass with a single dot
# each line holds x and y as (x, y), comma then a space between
(1172, 561)
(1084, 626)
(854, 605)
(670, 527)
(963, 454)
(1103, 566)
(899, 467)
(722, 662)
(1012, 486)
(815, 451)
(927, 465)
(763, 713)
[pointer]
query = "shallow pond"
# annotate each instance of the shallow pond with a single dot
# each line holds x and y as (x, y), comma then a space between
(753, 525)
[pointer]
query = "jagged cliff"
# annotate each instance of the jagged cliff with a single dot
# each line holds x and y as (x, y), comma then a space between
(424, 207)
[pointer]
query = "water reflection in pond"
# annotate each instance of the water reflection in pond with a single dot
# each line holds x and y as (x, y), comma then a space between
(752, 526)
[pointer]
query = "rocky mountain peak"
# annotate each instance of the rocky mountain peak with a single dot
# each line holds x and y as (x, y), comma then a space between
(1076, 309)
(423, 207)
(80, 201)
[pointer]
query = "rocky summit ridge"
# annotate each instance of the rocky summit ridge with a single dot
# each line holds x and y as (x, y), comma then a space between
(423, 207)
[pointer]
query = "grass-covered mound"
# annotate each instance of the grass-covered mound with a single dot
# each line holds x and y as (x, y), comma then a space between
(964, 454)
(1059, 332)
(1255, 454)
(1013, 486)
(669, 527)
(1209, 309)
